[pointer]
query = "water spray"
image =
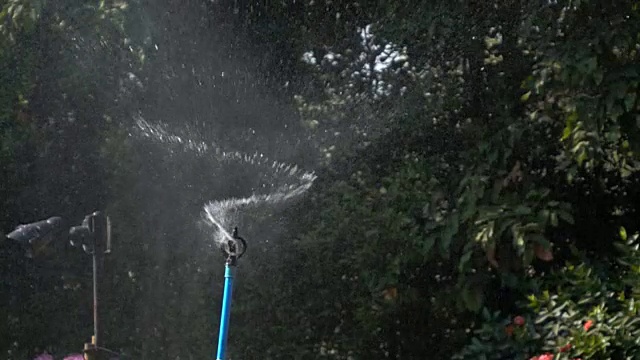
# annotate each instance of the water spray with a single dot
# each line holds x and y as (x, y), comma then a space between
(289, 182)
(233, 247)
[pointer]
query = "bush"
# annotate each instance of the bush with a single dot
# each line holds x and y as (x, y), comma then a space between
(586, 310)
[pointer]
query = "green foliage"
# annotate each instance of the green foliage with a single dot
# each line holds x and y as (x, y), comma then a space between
(586, 309)
(497, 139)
(589, 83)
(62, 67)
(511, 159)
(516, 117)
(17, 17)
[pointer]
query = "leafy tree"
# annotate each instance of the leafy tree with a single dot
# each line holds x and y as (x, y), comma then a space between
(63, 65)
(504, 193)
(465, 151)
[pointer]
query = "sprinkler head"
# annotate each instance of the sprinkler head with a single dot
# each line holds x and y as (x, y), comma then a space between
(234, 248)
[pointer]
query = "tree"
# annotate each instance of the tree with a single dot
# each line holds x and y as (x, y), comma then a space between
(64, 64)
(505, 191)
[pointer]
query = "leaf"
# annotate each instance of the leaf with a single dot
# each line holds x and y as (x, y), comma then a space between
(464, 260)
(566, 133)
(570, 124)
(522, 210)
(525, 96)
(582, 156)
(598, 76)
(623, 233)
(591, 64)
(469, 210)
(565, 216)
(449, 231)
(539, 239)
(485, 314)
(504, 226)
(629, 101)
(527, 257)
(473, 298)
(427, 245)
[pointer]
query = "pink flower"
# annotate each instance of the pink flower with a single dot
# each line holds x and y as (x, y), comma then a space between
(547, 356)
(518, 320)
(588, 325)
(74, 357)
(44, 356)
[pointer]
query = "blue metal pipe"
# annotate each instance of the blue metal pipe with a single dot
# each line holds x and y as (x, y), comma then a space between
(226, 311)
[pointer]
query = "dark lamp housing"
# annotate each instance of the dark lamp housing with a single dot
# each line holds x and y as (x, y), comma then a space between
(37, 235)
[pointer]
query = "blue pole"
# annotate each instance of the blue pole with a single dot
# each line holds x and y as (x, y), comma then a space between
(226, 311)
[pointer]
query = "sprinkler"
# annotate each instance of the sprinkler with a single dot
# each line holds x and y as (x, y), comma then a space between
(233, 248)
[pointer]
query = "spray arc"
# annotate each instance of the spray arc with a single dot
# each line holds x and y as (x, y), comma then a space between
(233, 247)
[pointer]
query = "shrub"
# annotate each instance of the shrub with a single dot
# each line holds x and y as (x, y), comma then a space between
(586, 310)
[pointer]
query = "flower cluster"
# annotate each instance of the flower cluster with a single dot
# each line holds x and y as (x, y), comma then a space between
(517, 321)
(549, 356)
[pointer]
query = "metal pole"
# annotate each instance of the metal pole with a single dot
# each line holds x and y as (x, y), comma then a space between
(95, 297)
(226, 311)
(94, 234)
(99, 229)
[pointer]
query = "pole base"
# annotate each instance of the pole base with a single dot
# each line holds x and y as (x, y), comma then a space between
(91, 352)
